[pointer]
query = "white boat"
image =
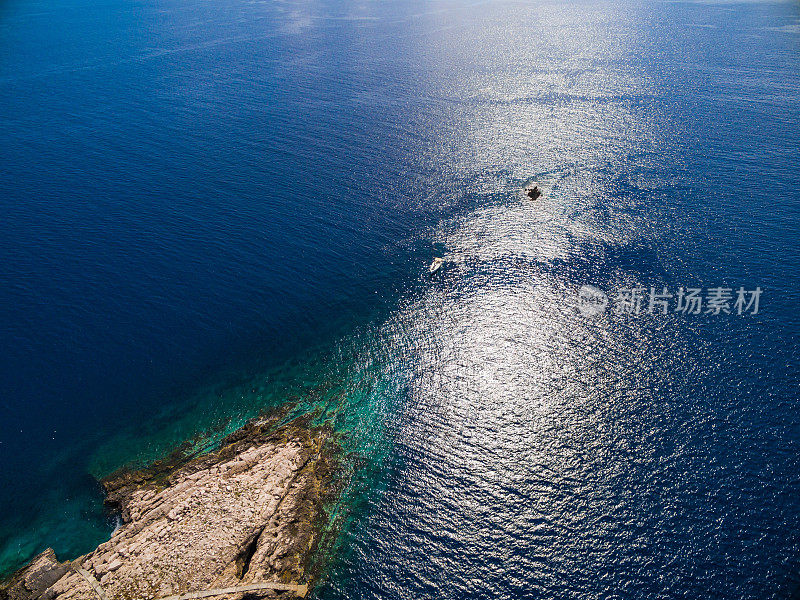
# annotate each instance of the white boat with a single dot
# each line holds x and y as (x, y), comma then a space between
(436, 264)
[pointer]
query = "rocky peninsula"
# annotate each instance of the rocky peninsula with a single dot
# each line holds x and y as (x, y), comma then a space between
(241, 521)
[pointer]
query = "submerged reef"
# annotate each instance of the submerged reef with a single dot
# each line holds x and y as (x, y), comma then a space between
(248, 515)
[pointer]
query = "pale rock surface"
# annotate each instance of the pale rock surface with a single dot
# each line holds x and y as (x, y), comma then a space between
(248, 513)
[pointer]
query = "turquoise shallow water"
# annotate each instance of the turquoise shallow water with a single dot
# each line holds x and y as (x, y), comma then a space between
(215, 208)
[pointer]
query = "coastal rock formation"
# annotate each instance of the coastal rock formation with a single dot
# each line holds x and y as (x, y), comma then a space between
(248, 513)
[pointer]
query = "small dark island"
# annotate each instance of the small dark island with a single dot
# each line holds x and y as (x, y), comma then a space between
(534, 192)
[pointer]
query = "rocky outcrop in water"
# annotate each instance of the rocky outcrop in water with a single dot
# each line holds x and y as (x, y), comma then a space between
(249, 513)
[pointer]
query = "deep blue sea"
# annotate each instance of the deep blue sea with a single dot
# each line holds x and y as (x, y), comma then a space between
(212, 207)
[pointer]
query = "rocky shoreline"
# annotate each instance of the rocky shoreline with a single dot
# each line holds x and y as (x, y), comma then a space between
(248, 514)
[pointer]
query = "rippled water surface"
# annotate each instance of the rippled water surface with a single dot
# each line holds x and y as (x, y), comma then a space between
(212, 207)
